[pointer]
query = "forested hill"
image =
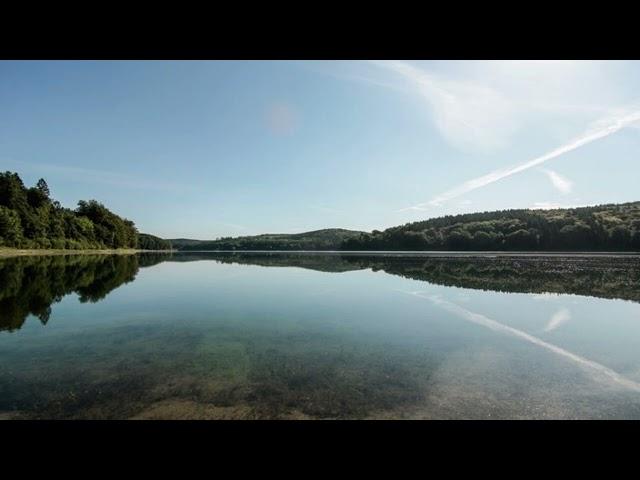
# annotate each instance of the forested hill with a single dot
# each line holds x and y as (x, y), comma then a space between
(613, 227)
(328, 239)
(30, 218)
(599, 228)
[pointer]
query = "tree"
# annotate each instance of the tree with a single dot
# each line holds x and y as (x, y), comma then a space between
(43, 187)
(10, 228)
(619, 237)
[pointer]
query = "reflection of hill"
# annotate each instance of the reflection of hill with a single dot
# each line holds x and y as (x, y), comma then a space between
(312, 261)
(30, 285)
(597, 276)
(605, 277)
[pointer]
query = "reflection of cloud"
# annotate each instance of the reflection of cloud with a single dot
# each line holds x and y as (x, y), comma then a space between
(561, 316)
(598, 370)
(281, 119)
(562, 184)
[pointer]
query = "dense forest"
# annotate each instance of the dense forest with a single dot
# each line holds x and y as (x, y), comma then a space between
(151, 242)
(328, 239)
(599, 228)
(30, 218)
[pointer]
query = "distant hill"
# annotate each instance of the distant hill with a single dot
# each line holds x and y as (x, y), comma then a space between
(327, 239)
(612, 227)
(179, 243)
(151, 242)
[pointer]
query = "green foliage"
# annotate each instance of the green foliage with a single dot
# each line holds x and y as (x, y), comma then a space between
(600, 228)
(10, 227)
(29, 218)
(150, 242)
(329, 239)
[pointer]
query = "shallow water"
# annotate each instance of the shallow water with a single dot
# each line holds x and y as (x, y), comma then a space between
(221, 335)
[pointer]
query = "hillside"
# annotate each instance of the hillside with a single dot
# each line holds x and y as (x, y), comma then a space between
(613, 227)
(327, 239)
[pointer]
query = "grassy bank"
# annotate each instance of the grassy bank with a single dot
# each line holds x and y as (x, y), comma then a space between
(16, 252)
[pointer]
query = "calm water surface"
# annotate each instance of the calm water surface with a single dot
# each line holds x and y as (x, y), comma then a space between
(214, 335)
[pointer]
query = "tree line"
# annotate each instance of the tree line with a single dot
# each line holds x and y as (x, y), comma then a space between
(30, 218)
(599, 228)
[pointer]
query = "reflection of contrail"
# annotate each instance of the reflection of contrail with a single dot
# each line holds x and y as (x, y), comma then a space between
(611, 126)
(561, 316)
(499, 327)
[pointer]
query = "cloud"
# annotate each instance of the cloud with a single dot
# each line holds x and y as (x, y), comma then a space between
(562, 184)
(281, 119)
(85, 175)
(603, 128)
(560, 317)
(469, 115)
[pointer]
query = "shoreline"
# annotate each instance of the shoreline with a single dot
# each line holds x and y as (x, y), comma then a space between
(17, 252)
(431, 253)
(20, 252)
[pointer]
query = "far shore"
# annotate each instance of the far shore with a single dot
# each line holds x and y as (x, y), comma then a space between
(17, 252)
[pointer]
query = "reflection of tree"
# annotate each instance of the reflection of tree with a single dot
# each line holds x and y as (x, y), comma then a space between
(606, 277)
(312, 261)
(30, 285)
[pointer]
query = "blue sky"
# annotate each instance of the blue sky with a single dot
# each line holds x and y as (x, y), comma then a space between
(209, 149)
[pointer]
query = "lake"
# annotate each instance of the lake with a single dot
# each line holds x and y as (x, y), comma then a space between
(319, 336)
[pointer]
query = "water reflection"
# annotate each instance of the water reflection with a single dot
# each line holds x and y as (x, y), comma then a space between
(216, 335)
(30, 285)
(597, 276)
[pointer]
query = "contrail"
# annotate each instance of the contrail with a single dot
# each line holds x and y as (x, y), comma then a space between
(479, 319)
(608, 128)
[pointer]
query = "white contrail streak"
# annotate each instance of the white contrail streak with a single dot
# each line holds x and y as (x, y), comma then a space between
(588, 365)
(608, 128)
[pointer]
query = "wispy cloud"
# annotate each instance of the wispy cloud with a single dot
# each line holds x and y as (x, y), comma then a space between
(562, 184)
(598, 371)
(86, 175)
(601, 129)
(560, 317)
(468, 115)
